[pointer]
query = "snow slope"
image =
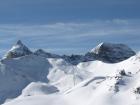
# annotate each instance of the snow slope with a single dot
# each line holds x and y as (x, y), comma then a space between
(105, 86)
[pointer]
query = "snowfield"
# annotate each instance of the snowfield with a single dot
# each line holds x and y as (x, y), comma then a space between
(106, 86)
(37, 80)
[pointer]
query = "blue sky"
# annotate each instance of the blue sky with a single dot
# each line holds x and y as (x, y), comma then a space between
(69, 26)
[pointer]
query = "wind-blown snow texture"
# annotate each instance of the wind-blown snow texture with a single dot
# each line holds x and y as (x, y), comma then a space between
(35, 79)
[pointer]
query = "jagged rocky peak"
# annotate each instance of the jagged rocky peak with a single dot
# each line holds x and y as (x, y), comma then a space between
(19, 42)
(111, 52)
(18, 50)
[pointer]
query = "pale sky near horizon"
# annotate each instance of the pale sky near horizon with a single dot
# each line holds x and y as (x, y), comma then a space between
(69, 26)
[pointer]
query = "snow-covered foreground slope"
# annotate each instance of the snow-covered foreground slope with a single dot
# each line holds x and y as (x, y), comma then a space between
(19, 73)
(89, 83)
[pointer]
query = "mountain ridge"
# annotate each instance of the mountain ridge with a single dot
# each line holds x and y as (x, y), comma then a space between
(107, 52)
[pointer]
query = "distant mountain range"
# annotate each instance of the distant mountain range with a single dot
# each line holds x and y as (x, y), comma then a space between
(106, 52)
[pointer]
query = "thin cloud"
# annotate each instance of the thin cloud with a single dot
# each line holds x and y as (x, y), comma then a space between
(71, 36)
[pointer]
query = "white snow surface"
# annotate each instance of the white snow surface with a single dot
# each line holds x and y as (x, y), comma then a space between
(53, 81)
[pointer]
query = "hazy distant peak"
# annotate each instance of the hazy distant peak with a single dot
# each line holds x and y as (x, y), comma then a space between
(18, 50)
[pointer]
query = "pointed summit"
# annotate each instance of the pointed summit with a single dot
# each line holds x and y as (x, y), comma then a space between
(97, 48)
(18, 50)
(19, 42)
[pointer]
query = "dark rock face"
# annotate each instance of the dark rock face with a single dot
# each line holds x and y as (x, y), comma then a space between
(73, 59)
(109, 52)
(122, 73)
(18, 50)
(137, 90)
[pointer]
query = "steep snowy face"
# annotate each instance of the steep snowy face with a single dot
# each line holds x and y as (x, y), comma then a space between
(42, 53)
(109, 52)
(18, 50)
(17, 73)
(35, 67)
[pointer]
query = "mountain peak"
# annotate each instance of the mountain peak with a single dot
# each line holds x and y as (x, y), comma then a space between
(19, 42)
(111, 52)
(111, 46)
(18, 50)
(96, 49)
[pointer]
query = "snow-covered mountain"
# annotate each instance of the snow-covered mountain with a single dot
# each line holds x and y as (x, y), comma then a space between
(106, 52)
(18, 50)
(109, 52)
(40, 78)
